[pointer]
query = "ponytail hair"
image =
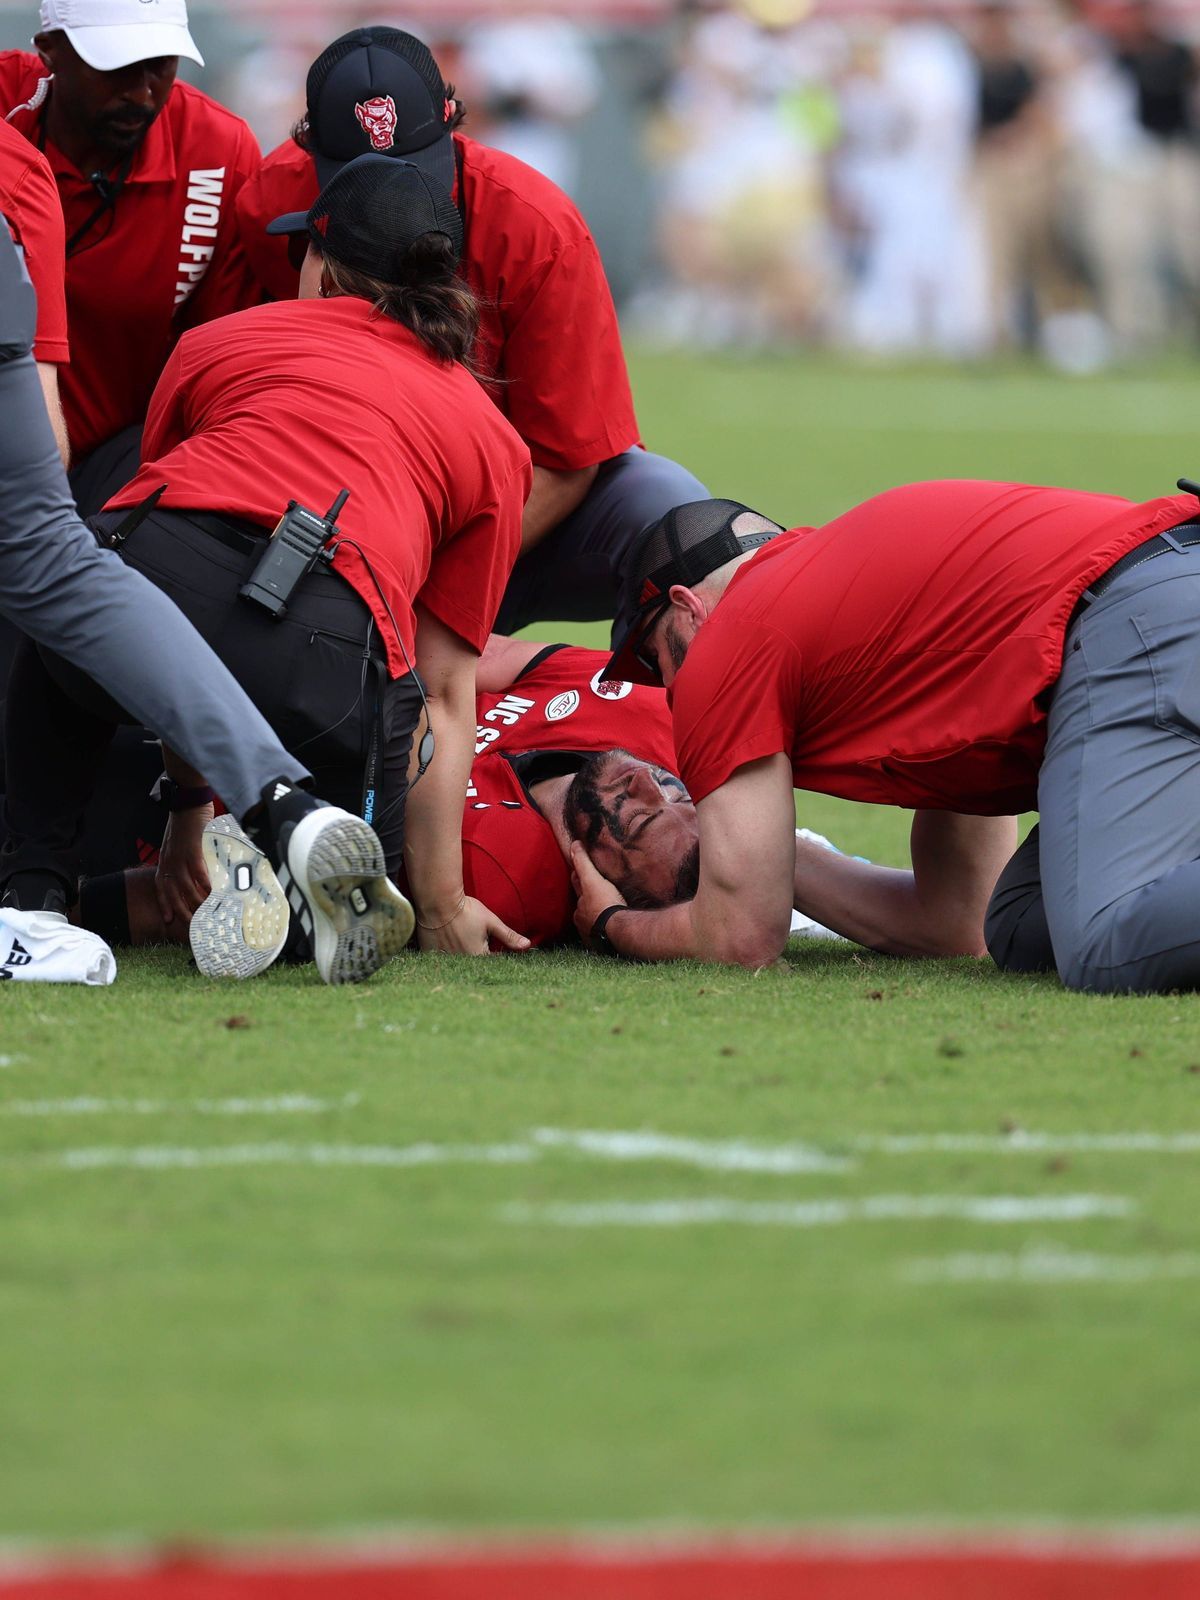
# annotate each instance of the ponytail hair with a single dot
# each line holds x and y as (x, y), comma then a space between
(425, 295)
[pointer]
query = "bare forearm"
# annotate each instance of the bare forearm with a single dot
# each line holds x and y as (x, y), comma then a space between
(554, 495)
(735, 936)
(433, 814)
(937, 909)
(48, 376)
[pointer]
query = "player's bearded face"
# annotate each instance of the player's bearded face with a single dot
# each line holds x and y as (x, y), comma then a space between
(638, 825)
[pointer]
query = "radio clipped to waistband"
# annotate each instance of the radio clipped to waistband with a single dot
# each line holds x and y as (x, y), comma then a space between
(293, 550)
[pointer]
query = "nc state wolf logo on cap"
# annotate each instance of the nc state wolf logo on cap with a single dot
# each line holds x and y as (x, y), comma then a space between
(377, 118)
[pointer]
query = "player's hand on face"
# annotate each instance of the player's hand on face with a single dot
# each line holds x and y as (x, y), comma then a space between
(471, 932)
(593, 889)
(180, 881)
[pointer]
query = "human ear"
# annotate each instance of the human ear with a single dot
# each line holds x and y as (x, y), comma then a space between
(689, 602)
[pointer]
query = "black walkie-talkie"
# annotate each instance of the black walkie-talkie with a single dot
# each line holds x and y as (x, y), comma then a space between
(293, 550)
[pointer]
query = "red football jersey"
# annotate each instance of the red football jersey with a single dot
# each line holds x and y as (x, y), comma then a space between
(29, 201)
(901, 653)
(548, 330)
(511, 858)
(164, 257)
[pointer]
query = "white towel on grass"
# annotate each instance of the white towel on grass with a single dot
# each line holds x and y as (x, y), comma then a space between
(43, 947)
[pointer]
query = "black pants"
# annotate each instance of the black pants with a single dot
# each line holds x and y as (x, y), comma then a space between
(316, 675)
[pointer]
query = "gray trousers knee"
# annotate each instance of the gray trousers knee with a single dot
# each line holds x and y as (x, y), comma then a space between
(576, 573)
(1119, 792)
(60, 588)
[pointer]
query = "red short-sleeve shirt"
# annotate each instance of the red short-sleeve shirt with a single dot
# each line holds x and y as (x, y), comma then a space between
(548, 330)
(165, 257)
(29, 201)
(298, 400)
(901, 653)
(511, 858)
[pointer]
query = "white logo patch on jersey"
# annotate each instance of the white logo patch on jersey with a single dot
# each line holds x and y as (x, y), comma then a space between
(610, 688)
(562, 705)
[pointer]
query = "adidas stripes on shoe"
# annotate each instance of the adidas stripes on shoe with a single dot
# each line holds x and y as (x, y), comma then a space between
(331, 867)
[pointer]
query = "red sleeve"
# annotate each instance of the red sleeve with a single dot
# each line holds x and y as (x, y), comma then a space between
(286, 181)
(470, 570)
(567, 389)
(735, 700)
(35, 215)
(229, 284)
(531, 892)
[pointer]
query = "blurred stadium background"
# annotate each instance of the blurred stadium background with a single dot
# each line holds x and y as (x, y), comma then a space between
(896, 179)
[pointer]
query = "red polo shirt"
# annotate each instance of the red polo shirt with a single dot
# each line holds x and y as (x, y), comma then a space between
(164, 258)
(901, 653)
(297, 400)
(548, 329)
(511, 858)
(29, 202)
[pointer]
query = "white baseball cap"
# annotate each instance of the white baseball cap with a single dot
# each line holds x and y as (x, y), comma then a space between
(108, 34)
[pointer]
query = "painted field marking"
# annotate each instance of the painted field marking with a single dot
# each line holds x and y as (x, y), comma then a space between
(1000, 1208)
(162, 1158)
(734, 1155)
(1021, 1142)
(1051, 1266)
(234, 1106)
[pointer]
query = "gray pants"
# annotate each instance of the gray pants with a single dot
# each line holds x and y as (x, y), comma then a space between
(1110, 883)
(60, 588)
(577, 572)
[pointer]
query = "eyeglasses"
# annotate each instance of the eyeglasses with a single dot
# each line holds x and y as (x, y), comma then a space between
(638, 641)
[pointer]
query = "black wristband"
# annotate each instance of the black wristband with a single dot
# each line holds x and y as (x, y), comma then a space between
(598, 939)
(176, 798)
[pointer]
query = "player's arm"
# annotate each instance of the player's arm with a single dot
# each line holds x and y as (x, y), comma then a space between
(742, 910)
(553, 497)
(503, 661)
(937, 909)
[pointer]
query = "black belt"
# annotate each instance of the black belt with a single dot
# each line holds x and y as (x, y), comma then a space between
(1180, 538)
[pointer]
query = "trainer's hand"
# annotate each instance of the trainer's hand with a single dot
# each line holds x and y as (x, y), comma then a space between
(471, 932)
(594, 891)
(181, 882)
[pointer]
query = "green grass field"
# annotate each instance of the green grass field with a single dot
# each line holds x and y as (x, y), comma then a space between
(276, 1258)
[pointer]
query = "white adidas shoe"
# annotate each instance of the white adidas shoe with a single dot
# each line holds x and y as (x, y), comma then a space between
(243, 925)
(332, 869)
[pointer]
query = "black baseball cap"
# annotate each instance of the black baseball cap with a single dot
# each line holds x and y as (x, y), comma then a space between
(379, 90)
(683, 547)
(370, 211)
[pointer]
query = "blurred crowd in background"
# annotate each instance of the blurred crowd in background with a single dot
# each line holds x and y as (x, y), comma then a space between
(947, 180)
(951, 179)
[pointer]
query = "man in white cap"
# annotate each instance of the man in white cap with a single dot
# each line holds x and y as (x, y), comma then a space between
(147, 171)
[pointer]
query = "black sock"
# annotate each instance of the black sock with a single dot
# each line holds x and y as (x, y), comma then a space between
(282, 803)
(104, 908)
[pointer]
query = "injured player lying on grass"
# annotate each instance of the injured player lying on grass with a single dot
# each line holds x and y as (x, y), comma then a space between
(562, 754)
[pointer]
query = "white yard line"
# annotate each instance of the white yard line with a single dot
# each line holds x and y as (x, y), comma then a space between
(1022, 1142)
(235, 1106)
(1046, 1265)
(823, 1213)
(178, 1157)
(730, 1155)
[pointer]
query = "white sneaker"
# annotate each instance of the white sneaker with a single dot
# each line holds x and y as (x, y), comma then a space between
(331, 866)
(243, 925)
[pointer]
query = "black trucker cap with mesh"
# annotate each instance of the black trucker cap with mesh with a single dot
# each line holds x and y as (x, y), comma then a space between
(379, 90)
(369, 214)
(683, 547)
